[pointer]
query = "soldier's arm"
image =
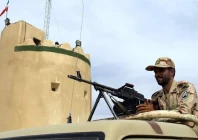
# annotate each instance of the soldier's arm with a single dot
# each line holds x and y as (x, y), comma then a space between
(149, 105)
(155, 105)
(187, 100)
(154, 100)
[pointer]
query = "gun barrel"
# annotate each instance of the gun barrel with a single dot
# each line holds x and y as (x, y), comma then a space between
(79, 79)
(92, 83)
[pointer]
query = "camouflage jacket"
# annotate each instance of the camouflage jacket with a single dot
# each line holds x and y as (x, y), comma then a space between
(182, 98)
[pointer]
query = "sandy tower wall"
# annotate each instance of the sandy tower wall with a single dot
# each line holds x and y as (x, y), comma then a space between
(35, 90)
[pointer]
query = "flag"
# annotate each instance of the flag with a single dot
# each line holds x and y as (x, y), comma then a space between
(5, 9)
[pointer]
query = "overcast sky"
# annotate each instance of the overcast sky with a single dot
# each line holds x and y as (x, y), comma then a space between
(122, 37)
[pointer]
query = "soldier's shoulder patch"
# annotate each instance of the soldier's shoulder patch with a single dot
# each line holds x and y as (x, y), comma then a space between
(185, 95)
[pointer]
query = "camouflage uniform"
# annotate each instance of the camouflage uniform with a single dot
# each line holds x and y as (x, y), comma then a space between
(182, 96)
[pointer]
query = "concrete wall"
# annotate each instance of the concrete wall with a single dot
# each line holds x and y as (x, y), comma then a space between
(29, 72)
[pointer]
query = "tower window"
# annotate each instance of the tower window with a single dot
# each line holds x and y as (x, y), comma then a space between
(36, 41)
(85, 94)
(54, 86)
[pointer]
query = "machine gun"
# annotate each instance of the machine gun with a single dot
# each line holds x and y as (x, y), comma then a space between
(126, 92)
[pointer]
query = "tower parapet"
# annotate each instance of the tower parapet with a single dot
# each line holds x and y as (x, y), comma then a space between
(35, 90)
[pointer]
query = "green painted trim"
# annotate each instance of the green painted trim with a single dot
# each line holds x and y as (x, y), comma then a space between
(51, 49)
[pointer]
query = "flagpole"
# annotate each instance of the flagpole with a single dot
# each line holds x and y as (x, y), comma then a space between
(7, 9)
(7, 20)
(6, 14)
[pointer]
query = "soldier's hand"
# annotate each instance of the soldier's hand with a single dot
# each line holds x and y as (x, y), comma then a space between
(146, 107)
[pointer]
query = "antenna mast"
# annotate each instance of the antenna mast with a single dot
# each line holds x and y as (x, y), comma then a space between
(47, 18)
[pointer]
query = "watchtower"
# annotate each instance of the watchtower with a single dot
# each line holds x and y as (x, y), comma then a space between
(34, 87)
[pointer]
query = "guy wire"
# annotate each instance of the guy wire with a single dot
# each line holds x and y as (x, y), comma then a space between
(77, 56)
(57, 25)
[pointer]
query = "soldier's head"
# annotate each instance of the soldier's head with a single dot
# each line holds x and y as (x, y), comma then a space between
(164, 70)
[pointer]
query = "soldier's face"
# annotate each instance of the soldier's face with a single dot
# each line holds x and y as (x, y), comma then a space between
(162, 76)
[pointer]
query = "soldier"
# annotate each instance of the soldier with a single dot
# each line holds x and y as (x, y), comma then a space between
(180, 96)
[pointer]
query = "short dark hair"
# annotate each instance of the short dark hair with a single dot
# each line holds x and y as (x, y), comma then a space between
(174, 71)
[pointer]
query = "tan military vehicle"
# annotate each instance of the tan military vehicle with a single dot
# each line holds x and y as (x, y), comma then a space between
(127, 128)
(160, 125)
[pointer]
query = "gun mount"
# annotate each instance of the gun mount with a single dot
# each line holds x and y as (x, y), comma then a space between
(126, 92)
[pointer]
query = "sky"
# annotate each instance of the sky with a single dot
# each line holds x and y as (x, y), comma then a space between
(122, 37)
